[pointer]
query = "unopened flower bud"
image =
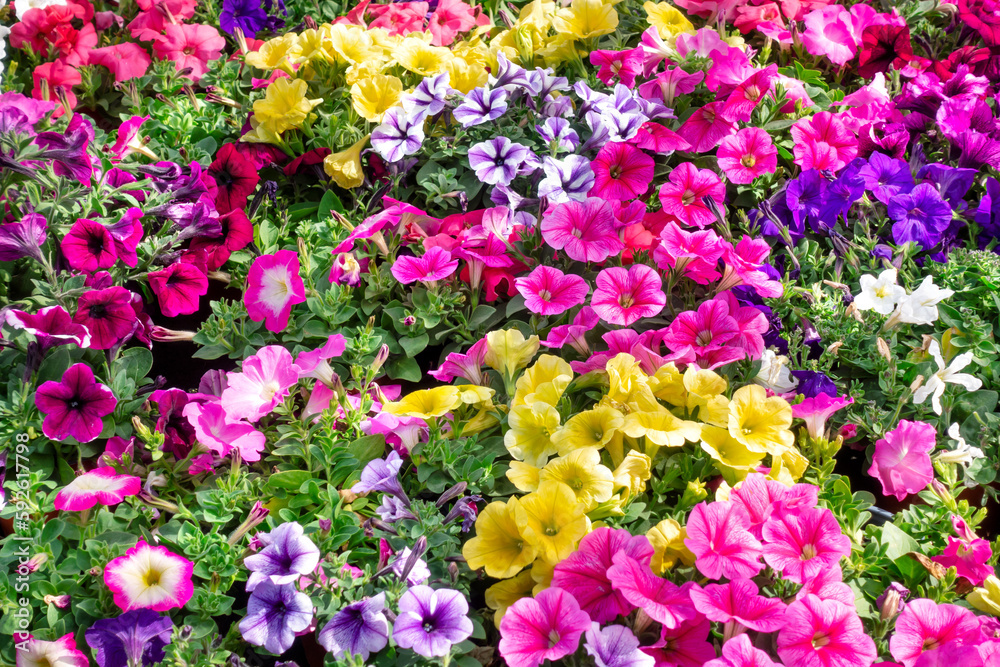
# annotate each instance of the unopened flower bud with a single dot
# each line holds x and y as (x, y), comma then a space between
(35, 562)
(409, 321)
(186, 632)
(380, 358)
(451, 493)
(892, 601)
(835, 347)
(453, 572)
(883, 349)
(916, 383)
(164, 335)
(60, 601)
(325, 525)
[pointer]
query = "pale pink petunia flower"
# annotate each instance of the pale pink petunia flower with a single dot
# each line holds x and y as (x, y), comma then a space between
(189, 45)
(924, 625)
(216, 430)
(824, 633)
(623, 296)
(621, 172)
(315, 363)
(661, 599)
(748, 154)
(719, 537)
(263, 383)
(829, 33)
(585, 231)
(740, 652)
(434, 265)
(823, 142)
(549, 291)
(149, 577)
(816, 410)
(684, 195)
(59, 653)
(99, 486)
(546, 627)
(801, 544)
(828, 585)
(739, 600)
(902, 459)
(273, 287)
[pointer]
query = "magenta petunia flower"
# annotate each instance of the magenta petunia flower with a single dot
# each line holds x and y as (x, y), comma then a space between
(621, 171)
(623, 296)
(760, 497)
(549, 291)
(584, 573)
(24, 238)
(751, 325)
(584, 230)
(828, 585)
(89, 246)
(719, 537)
(694, 255)
(802, 543)
(273, 287)
(970, 559)
(815, 411)
(824, 633)
(740, 652)
(148, 577)
(744, 266)
(622, 65)
(179, 288)
(75, 406)
(661, 599)
(59, 653)
(575, 333)
(747, 154)
(706, 127)
(924, 625)
(708, 328)
(51, 326)
(742, 101)
(434, 265)
(683, 196)
(739, 600)
(902, 459)
(468, 366)
(684, 646)
(216, 430)
(108, 315)
(545, 627)
(264, 382)
(823, 142)
(100, 486)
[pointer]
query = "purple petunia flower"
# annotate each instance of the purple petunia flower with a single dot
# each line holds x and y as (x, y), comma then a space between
(543, 82)
(558, 131)
(135, 638)
(622, 126)
(393, 509)
(805, 196)
(615, 646)
(988, 212)
(509, 76)
(481, 106)
(429, 96)
(431, 621)
(399, 135)
(418, 572)
(953, 183)
(569, 179)
(886, 177)
(557, 106)
(288, 555)
(848, 188)
(921, 216)
(275, 613)
(499, 160)
(360, 629)
(381, 475)
(813, 383)
(590, 99)
(247, 15)
(23, 239)
(600, 132)
(51, 325)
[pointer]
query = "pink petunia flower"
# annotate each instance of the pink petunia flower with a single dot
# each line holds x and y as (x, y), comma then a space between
(655, 137)
(621, 171)
(623, 296)
(924, 625)
(216, 430)
(816, 410)
(125, 61)
(740, 652)
(100, 486)
(745, 266)
(468, 366)
(178, 288)
(546, 627)
(719, 537)
(970, 559)
(661, 599)
(584, 230)
(451, 18)
(549, 291)
(751, 325)
(273, 287)
(127, 142)
(75, 406)
(622, 65)
(828, 585)
(574, 334)
(683, 196)
(189, 45)
(748, 154)
(108, 315)
(89, 246)
(742, 101)
(59, 653)
(434, 265)
(315, 363)
(708, 328)
(760, 497)
(739, 600)
(829, 33)
(694, 255)
(801, 544)
(669, 83)
(706, 127)
(684, 646)
(264, 382)
(148, 577)
(823, 142)
(902, 459)
(824, 633)
(585, 573)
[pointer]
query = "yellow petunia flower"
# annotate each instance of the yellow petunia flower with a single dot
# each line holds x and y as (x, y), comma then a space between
(559, 49)
(313, 44)
(760, 422)
(465, 75)
(590, 428)
(277, 53)
(667, 384)
(285, 105)
(426, 403)
(501, 595)
(731, 456)
(530, 436)
(508, 352)
(705, 393)
(537, 14)
(667, 538)
(541, 572)
(363, 70)
(545, 381)
(259, 134)
(628, 385)
(584, 19)
(484, 419)
(345, 167)
(553, 520)
(373, 96)
(421, 58)
(987, 598)
(581, 470)
(667, 19)
(349, 44)
(788, 467)
(499, 546)
(632, 473)
(661, 428)
(473, 394)
(523, 476)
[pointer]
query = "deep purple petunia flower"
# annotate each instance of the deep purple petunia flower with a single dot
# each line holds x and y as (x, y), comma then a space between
(247, 15)
(289, 554)
(381, 475)
(431, 621)
(805, 196)
(360, 628)
(51, 325)
(481, 106)
(953, 183)
(498, 160)
(135, 638)
(68, 152)
(75, 406)
(921, 216)
(988, 212)
(89, 246)
(848, 188)
(813, 383)
(23, 239)
(569, 179)
(275, 613)
(886, 177)
(399, 135)
(108, 316)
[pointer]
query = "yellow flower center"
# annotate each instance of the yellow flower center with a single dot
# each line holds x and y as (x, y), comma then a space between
(688, 198)
(808, 552)
(748, 161)
(820, 639)
(151, 578)
(553, 638)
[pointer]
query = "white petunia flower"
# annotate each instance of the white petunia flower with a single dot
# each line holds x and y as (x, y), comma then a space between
(774, 374)
(21, 7)
(963, 454)
(920, 307)
(879, 294)
(947, 374)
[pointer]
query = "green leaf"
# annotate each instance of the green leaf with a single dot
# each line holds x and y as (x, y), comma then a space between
(897, 543)
(288, 479)
(481, 314)
(330, 202)
(367, 448)
(135, 363)
(404, 369)
(415, 345)
(267, 234)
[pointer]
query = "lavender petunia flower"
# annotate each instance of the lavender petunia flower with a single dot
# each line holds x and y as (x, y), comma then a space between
(543, 82)
(615, 646)
(559, 132)
(419, 572)
(359, 629)
(135, 638)
(886, 177)
(623, 101)
(393, 509)
(569, 179)
(481, 106)
(590, 99)
(429, 96)
(381, 475)
(23, 239)
(288, 554)
(557, 106)
(600, 132)
(921, 216)
(622, 126)
(431, 621)
(498, 160)
(275, 613)
(509, 76)
(399, 135)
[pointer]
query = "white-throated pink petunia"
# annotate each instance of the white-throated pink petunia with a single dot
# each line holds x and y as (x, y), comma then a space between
(103, 485)
(149, 577)
(273, 287)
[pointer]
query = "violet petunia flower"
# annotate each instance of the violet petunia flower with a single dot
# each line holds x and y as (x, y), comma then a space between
(418, 572)
(615, 646)
(558, 131)
(481, 106)
(886, 177)
(247, 15)
(431, 621)
(921, 216)
(75, 406)
(429, 97)
(23, 239)
(509, 77)
(569, 179)
(275, 614)
(136, 638)
(360, 628)
(498, 160)
(51, 326)
(289, 554)
(399, 135)
(393, 509)
(381, 475)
